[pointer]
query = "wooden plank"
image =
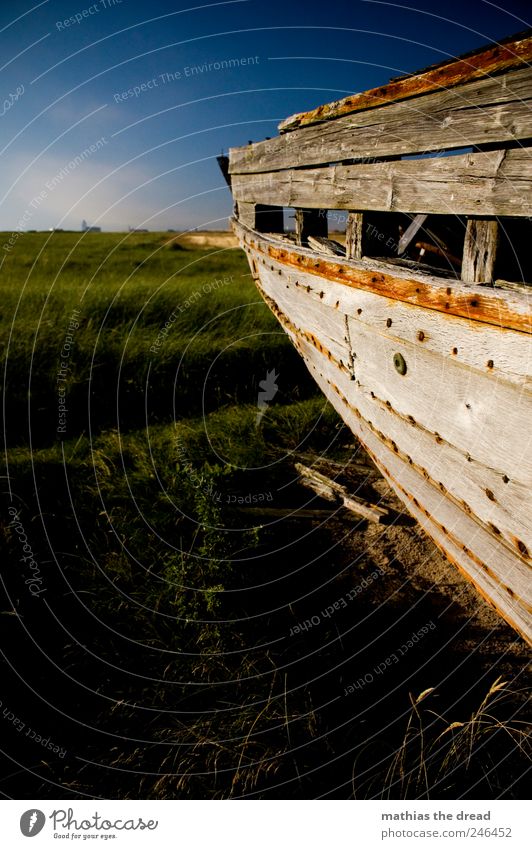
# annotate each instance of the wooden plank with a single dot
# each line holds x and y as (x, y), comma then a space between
(354, 235)
(410, 233)
(495, 182)
(430, 473)
(484, 348)
(503, 504)
(491, 110)
(506, 580)
(310, 222)
(506, 577)
(331, 490)
(508, 512)
(499, 307)
(489, 60)
(477, 413)
(491, 590)
(427, 247)
(326, 246)
(480, 249)
(468, 545)
(246, 213)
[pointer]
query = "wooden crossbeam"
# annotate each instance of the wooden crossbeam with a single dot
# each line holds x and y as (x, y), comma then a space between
(310, 222)
(480, 249)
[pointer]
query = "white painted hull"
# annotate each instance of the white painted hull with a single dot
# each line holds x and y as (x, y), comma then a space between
(452, 435)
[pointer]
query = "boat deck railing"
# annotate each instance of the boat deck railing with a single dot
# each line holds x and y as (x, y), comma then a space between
(434, 166)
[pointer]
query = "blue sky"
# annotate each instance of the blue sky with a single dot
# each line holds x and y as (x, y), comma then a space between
(147, 158)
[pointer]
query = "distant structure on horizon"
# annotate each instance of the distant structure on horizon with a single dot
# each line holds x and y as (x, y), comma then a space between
(138, 229)
(86, 229)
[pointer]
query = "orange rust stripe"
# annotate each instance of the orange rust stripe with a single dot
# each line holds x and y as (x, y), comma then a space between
(389, 443)
(411, 506)
(451, 558)
(475, 305)
(417, 513)
(417, 508)
(445, 75)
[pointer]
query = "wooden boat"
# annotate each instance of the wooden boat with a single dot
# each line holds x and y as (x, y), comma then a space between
(411, 328)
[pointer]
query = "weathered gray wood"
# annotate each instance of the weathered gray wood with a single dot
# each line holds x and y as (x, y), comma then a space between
(261, 217)
(497, 109)
(410, 232)
(495, 182)
(451, 434)
(478, 539)
(491, 59)
(310, 222)
(332, 491)
(436, 417)
(354, 235)
(326, 246)
(498, 307)
(471, 345)
(480, 249)
(444, 398)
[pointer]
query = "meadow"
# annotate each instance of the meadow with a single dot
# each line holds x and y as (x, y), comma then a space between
(159, 638)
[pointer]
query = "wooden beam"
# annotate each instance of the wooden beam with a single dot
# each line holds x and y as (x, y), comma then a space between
(477, 65)
(332, 491)
(261, 217)
(480, 248)
(329, 247)
(310, 222)
(497, 109)
(410, 232)
(354, 235)
(427, 247)
(494, 306)
(497, 182)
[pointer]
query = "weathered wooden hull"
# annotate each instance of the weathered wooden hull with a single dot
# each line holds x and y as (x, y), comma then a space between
(447, 422)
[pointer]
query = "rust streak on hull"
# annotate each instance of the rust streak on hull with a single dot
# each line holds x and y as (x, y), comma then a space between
(474, 305)
(310, 339)
(496, 587)
(501, 57)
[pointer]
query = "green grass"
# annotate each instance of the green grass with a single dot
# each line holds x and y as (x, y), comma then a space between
(167, 614)
(185, 327)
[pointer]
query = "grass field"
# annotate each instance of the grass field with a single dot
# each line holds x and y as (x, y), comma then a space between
(150, 634)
